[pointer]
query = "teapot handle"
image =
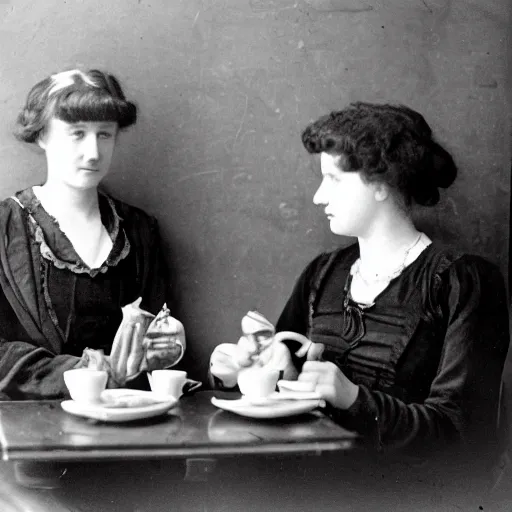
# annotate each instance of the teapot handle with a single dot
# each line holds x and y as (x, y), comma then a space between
(295, 336)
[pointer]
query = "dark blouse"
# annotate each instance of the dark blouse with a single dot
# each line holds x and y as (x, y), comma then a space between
(82, 305)
(427, 355)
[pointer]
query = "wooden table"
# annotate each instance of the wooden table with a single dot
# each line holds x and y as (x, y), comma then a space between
(42, 431)
(199, 458)
(196, 457)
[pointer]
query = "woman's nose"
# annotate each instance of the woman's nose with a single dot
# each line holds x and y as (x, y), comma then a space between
(319, 197)
(91, 150)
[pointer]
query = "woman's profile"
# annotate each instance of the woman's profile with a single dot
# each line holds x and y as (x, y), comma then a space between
(409, 336)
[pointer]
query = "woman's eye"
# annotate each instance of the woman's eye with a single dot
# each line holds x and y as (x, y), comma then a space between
(77, 134)
(105, 135)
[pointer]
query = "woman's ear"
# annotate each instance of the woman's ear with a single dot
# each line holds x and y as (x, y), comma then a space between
(41, 140)
(381, 192)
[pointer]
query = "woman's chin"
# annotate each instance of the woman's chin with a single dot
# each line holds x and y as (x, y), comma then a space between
(337, 230)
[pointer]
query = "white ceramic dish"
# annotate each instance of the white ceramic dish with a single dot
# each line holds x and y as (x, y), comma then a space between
(283, 395)
(272, 409)
(118, 414)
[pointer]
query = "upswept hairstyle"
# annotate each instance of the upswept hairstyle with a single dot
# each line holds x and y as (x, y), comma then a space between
(390, 144)
(74, 96)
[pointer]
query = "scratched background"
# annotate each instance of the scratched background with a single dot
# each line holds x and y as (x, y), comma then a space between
(224, 89)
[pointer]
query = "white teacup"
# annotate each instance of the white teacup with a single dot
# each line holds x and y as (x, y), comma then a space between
(167, 382)
(86, 385)
(257, 381)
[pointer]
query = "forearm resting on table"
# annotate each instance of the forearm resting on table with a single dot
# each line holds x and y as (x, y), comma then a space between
(30, 372)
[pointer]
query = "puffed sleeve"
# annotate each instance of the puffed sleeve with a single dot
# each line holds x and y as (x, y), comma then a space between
(464, 396)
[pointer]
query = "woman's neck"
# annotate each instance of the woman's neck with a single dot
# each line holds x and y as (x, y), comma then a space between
(64, 202)
(388, 242)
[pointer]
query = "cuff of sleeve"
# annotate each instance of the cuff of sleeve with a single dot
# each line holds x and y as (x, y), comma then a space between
(362, 416)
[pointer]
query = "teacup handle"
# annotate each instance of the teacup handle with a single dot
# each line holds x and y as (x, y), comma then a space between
(295, 336)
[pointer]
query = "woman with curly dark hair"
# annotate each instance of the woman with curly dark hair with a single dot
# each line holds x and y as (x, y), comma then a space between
(71, 256)
(409, 337)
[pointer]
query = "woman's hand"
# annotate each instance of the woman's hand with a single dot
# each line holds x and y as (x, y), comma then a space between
(224, 365)
(228, 359)
(331, 383)
(127, 352)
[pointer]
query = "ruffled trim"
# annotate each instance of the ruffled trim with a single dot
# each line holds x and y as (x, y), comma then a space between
(120, 243)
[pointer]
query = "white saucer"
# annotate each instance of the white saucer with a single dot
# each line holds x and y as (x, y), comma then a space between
(271, 409)
(110, 414)
(281, 395)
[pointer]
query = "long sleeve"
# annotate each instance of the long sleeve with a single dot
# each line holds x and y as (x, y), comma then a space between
(34, 304)
(28, 371)
(464, 395)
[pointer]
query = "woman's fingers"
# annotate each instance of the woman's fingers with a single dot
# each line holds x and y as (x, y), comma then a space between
(326, 392)
(318, 372)
(223, 358)
(318, 366)
(330, 383)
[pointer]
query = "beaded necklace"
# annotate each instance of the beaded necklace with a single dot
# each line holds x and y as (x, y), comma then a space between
(356, 268)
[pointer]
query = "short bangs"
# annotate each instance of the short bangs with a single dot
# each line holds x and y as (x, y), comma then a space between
(76, 104)
(74, 96)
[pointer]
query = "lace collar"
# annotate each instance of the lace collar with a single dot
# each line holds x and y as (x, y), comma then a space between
(55, 245)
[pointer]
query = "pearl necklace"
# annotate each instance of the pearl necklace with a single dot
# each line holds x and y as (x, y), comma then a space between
(381, 278)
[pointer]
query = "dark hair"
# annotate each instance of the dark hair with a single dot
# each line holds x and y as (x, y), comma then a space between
(391, 144)
(74, 96)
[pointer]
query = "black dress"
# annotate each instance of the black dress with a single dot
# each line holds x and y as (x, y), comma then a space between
(53, 306)
(428, 354)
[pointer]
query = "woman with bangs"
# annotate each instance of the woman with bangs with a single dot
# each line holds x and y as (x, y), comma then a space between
(71, 256)
(409, 336)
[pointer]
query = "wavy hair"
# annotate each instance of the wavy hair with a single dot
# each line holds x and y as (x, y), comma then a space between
(387, 143)
(74, 96)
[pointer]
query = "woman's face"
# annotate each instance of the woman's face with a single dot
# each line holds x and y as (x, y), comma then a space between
(350, 203)
(78, 154)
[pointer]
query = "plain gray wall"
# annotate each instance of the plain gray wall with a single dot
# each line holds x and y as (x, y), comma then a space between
(225, 88)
